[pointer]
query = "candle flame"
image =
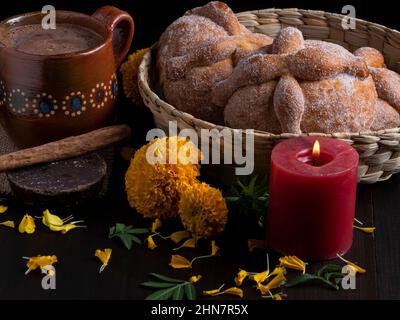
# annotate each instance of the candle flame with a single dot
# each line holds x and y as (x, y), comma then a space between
(316, 150)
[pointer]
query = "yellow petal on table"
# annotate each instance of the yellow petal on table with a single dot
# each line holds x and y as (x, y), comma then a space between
(27, 225)
(365, 229)
(240, 276)
(234, 291)
(276, 282)
(51, 219)
(211, 292)
(9, 224)
(150, 243)
(40, 261)
(3, 209)
(352, 264)
(194, 279)
(156, 225)
(178, 236)
(179, 262)
(256, 244)
(189, 243)
(260, 277)
(214, 248)
(68, 227)
(104, 256)
(292, 262)
(277, 296)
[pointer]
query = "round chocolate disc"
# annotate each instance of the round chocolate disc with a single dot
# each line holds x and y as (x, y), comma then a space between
(66, 182)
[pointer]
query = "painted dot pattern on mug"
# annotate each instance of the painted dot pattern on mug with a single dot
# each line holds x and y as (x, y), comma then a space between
(45, 105)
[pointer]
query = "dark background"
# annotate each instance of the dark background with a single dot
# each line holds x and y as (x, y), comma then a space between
(152, 17)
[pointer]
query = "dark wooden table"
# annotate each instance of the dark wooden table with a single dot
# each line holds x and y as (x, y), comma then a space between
(77, 269)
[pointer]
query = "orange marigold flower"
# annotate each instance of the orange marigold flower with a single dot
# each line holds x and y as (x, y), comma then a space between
(129, 70)
(154, 189)
(203, 210)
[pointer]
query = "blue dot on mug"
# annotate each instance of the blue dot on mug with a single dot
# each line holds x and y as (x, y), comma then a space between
(76, 104)
(100, 94)
(114, 87)
(45, 106)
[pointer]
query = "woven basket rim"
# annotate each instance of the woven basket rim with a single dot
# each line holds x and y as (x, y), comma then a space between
(147, 61)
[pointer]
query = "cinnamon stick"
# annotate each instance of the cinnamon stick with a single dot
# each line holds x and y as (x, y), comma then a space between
(65, 148)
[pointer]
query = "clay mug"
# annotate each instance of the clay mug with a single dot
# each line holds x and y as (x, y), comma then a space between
(46, 97)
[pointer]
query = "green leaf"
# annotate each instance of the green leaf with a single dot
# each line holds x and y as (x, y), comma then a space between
(329, 268)
(334, 275)
(151, 284)
(232, 199)
(300, 279)
(137, 230)
(190, 291)
(127, 241)
(126, 234)
(163, 294)
(166, 279)
(178, 294)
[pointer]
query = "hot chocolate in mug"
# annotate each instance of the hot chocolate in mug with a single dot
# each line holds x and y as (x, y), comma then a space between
(60, 82)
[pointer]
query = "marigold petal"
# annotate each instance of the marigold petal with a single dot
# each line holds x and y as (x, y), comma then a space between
(240, 276)
(40, 261)
(234, 291)
(277, 296)
(178, 236)
(150, 243)
(194, 279)
(214, 248)
(51, 219)
(189, 243)
(27, 225)
(260, 277)
(292, 262)
(211, 292)
(3, 209)
(179, 262)
(276, 282)
(104, 256)
(352, 264)
(8, 223)
(365, 229)
(156, 225)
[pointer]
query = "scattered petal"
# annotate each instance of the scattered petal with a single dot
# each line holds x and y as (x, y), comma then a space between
(189, 243)
(39, 261)
(240, 276)
(260, 277)
(256, 244)
(278, 296)
(352, 264)
(178, 236)
(9, 224)
(51, 219)
(214, 248)
(194, 279)
(3, 209)
(211, 292)
(365, 229)
(234, 291)
(150, 243)
(27, 225)
(276, 282)
(104, 256)
(156, 225)
(292, 262)
(179, 262)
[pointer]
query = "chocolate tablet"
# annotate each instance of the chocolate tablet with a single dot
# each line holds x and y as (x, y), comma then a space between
(62, 183)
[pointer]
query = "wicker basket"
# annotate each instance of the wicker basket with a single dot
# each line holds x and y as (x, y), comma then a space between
(379, 151)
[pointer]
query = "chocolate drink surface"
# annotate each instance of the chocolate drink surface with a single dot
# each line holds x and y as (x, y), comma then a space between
(66, 38)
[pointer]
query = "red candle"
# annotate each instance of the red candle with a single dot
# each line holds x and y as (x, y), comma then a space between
(312, 197)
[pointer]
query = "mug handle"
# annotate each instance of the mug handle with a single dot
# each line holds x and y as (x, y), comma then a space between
(122, 27)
